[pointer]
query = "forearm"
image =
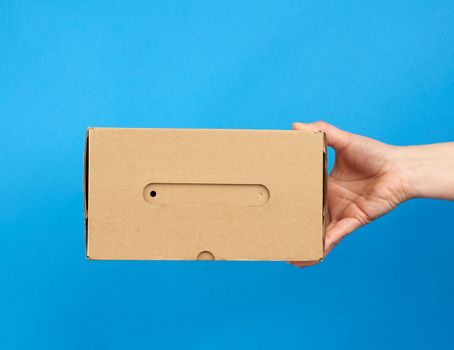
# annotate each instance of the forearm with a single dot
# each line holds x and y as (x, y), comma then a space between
(428, 170)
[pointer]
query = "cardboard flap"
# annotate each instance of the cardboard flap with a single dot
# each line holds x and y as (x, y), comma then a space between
(325, 188)
(85, 185)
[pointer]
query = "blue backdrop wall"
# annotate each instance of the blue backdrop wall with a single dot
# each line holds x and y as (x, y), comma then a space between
(384, 69)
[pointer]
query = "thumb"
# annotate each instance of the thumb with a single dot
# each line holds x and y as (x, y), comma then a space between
(336, 138)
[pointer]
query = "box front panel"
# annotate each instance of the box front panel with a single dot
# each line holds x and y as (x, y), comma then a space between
(174, 194)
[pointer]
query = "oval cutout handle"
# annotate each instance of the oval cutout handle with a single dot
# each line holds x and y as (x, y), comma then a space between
(167, 194)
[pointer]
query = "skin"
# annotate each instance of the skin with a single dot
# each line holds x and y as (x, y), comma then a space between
(371, 178)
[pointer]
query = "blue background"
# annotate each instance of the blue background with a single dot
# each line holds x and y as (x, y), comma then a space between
(384, 69)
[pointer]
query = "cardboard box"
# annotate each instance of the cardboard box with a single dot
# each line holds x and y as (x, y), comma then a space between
(182, 194)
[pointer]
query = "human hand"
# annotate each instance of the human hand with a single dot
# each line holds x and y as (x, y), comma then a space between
(365, 183)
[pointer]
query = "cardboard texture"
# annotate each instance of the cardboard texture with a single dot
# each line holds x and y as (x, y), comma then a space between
(182, 194)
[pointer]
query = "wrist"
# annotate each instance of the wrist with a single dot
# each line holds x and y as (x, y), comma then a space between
(426, 171)
(406, 164)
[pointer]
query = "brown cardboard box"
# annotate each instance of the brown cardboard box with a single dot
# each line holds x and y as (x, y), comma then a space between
(176, 194)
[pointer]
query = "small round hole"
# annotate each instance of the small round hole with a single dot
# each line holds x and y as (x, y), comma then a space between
(153, 194)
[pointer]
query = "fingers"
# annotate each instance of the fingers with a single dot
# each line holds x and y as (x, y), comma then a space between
(336, 138)
(334, 234)
(303, 263)
(336, 231)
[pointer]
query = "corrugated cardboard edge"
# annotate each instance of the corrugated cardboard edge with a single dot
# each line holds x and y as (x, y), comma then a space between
(325, 189)
(85, 187)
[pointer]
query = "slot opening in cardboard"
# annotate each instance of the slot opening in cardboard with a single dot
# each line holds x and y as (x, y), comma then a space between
(249, 195)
